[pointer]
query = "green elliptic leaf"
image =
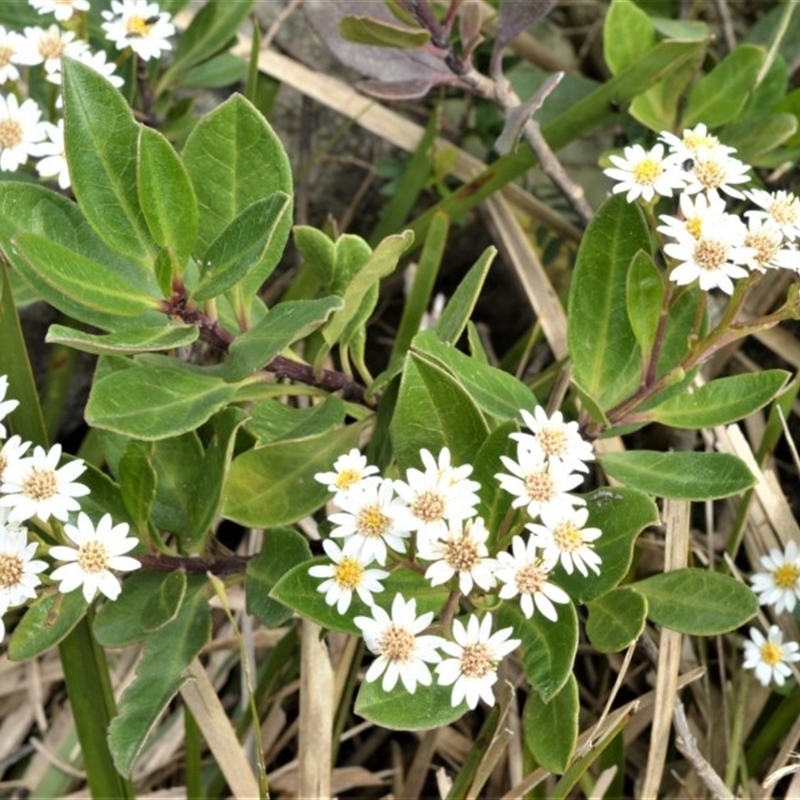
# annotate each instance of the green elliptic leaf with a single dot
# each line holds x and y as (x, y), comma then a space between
(82, 288)
(318, 252)
(283, 325)
(137, 480)
(300, 591)
(429, 707)
(721, 401)
(101, 138)
(754, 138)
(48, 620)
(495, 501)
(645, 294)
(548, 648)
(274, 484)
(216, 73)
(459, 308)
(616, 619)
(433, 411)
(159, 675)
(551, 729)
(719, 96)
(155, 401)
(606, 359)
(683, 476)
(178, 463)
(790, 104)
(166, 196)
(621, 513)
(271, 420)
(241, 246)
(283, 549)
(365, 30)
(234, 159)
(627, 34)
(498, 393)
(127, 342)
(697, 602)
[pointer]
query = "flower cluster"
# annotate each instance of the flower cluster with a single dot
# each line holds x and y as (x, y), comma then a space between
(35, 490)
(707, 243)
(25, 133)
(428, 521)
(778, 586)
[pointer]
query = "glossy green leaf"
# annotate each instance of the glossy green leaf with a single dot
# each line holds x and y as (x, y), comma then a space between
(790, 104)
(627, 34)
(719, 96)
(681, 475)
(178, 463)
(271, 420)
(127, 342)
(166, 196)
(137, 481)
(101, 138)
(160, 673)
(241, 246)
(218, 72)
(153, 402)
(616, 619)
(283, 325)
(234, 159)
(458, 311)
(318, 252)
(283, 549)
(48, 619)
(496, 392)
(548, 648)
(754, 138)
(300, 591)
(551, 729)
(433, 411)
(274, 484)
(79, 287)
(645, 295)
(429, 707)
(697, 602)
(375, 32)
(494, 500)
(606, 359)
(721, 401)
(621, 513)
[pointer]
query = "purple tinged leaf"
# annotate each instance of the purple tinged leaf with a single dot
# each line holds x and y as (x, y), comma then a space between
(469, 27)
(398, 90)
(517, 15)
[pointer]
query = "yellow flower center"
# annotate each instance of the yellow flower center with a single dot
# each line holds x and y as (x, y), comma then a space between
(139, 26)
(40, 484)
(568, 537)
(397, 644)
(539, 485)
(5, 56)
(462, 554)
(372, 522)
(771, 654)
(531, 577)
(477, 661)
(10, 570)
(93, 557)
(646, 172)
(786, 576)
(710, 255)
(428, 506)
(51, 47)
(349, 573)
(765, 244)
(693, 142)
(3, 465)
(553, 441)
(347, 478)
(710, 173)
(10, 133)
(694, 226)
(785, 209)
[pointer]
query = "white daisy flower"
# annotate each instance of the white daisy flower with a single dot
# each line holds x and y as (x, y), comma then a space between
(525, 572)
(563, 538)
(695, 210)
(537, 482)
(11, 452)
(475, 654)
(559, 440)
(350, 470)
(6, 406)
(52, 158)
(48, 47)
(715, 170)
(765, 237)
(18, 568)
(63, 9)
(783, 208)
(779, 586)
(20, 129)
(693, 141)
(464, 553)
(645, 173)
(402, 652)
(10, 43)
(34, 486)
(437, 498)
(347, 573)
(713, 258)
(140, 25)
(98, 551)
(370, 515)
(788, 258)
(768, 656)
